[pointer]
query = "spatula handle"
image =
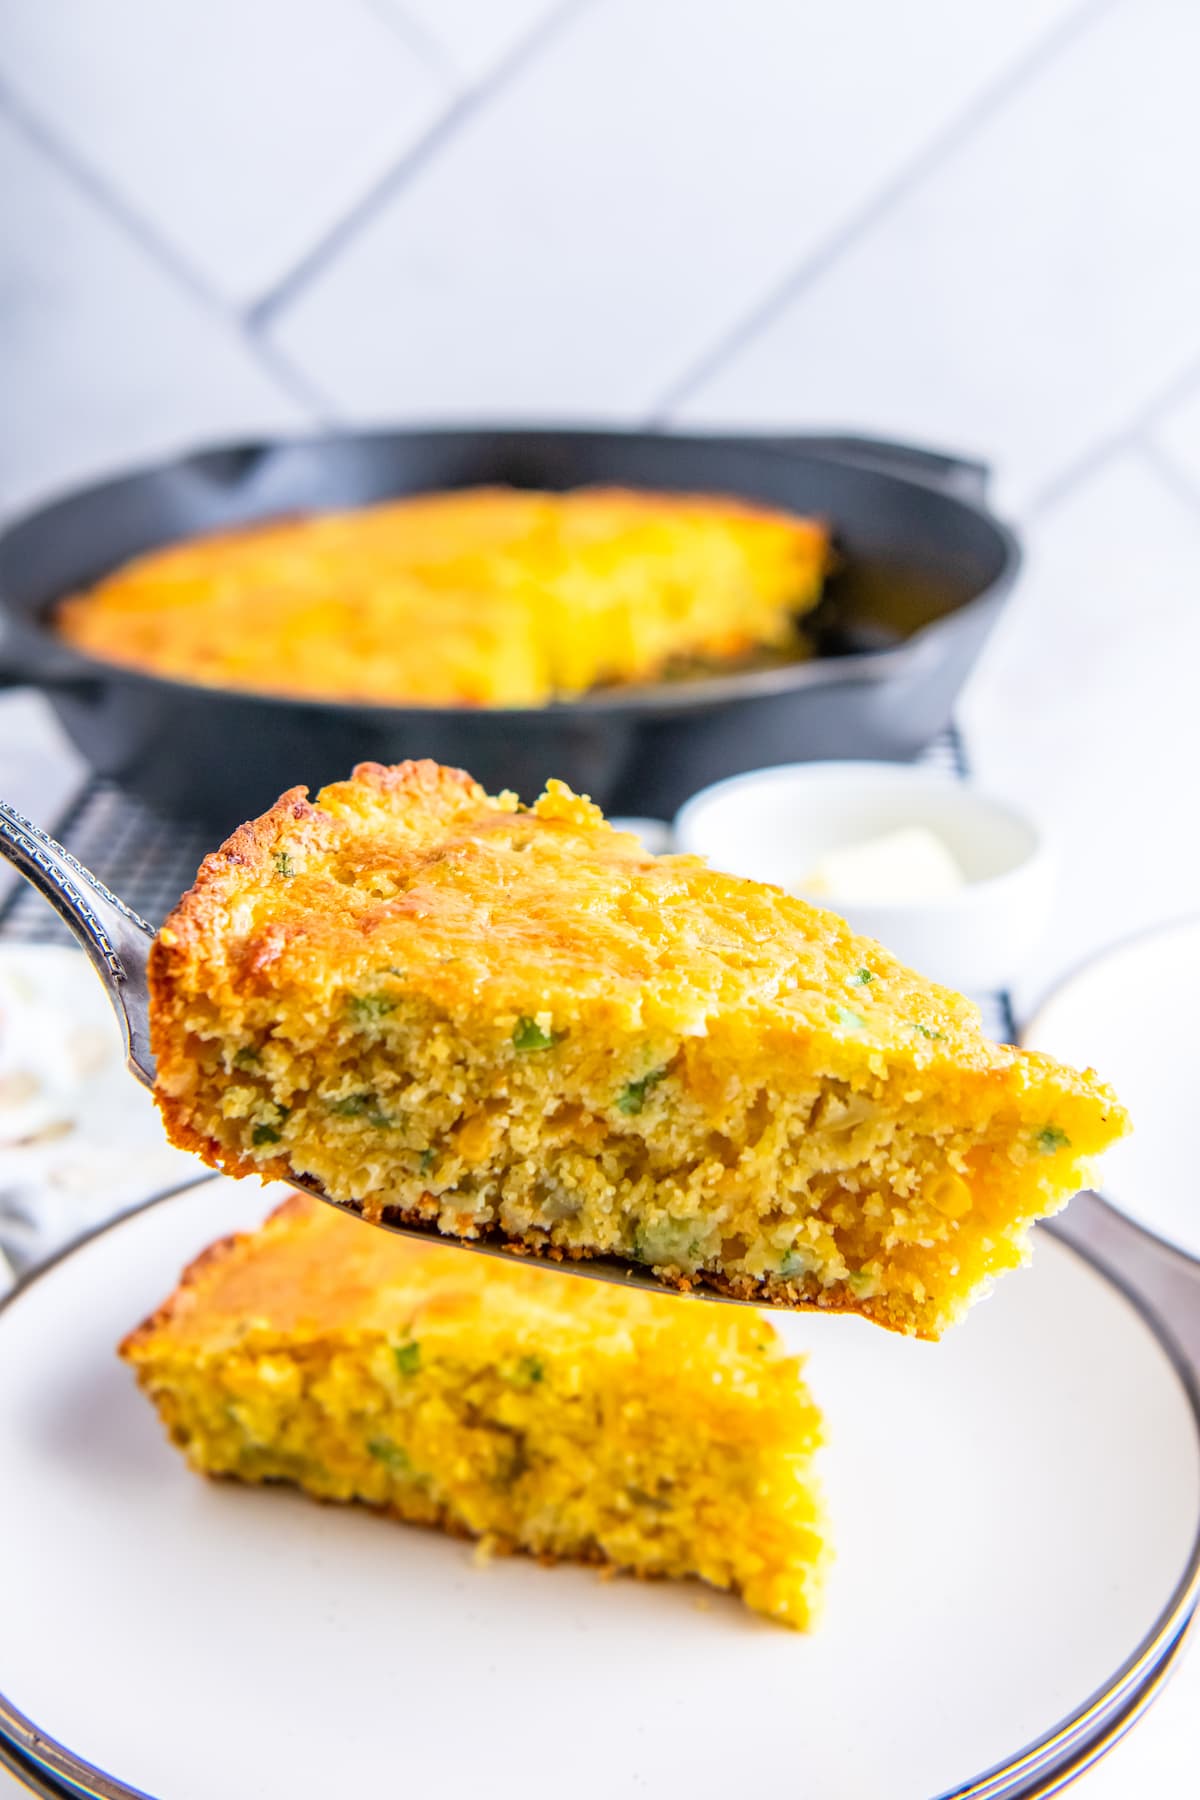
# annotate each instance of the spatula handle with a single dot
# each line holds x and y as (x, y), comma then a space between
(116, 939)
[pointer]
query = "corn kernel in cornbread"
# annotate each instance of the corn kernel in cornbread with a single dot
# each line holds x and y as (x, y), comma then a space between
(565, 1418)
(485, 596)
(443, 1007)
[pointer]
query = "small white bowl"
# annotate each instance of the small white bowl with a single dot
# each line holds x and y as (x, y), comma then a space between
(774, 824)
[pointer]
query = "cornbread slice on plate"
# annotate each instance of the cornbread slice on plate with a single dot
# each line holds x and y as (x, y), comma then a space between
(439, 1006)
(484, 596)
(565, 1418)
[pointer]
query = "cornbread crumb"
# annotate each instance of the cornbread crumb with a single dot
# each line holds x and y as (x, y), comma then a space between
(562, 1418)
(518, 1025)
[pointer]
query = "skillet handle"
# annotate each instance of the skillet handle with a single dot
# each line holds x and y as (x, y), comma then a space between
(39, 664)
(964, 477)
(15, 671)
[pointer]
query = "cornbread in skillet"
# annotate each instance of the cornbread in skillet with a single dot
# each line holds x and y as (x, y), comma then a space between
(486, 596)
(565, 1418)
(517, 1024)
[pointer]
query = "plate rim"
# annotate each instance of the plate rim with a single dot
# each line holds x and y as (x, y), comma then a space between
(41, 1780)
(1070, 978)
(1096, 1725)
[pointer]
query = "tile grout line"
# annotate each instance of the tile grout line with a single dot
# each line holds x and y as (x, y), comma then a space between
(425, 45)
(1131, 434)
(102, 194)
(1169, 471)
(991, 100)
(112, 206)
(296, 382)
(261, 314)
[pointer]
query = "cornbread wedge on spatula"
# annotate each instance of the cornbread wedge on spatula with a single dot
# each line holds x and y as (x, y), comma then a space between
(560, 1417)
(515, 1023)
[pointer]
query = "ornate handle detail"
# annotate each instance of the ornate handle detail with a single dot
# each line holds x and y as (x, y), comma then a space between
(116, 939)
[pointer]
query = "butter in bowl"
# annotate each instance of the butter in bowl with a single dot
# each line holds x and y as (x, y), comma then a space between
(953, 882)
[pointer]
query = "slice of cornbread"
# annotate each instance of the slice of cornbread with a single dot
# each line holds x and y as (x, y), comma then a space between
(565, 1418)
(517, 1024)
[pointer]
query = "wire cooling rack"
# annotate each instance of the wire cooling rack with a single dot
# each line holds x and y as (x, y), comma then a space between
(149, 860)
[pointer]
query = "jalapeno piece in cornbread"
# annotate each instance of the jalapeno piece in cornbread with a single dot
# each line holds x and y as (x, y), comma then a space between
(441, 1006)
(565, 1418)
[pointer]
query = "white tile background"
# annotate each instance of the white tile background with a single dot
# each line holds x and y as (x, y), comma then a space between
(974, 225)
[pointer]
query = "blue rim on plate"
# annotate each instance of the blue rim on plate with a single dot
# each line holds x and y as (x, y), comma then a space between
(1037, 1772)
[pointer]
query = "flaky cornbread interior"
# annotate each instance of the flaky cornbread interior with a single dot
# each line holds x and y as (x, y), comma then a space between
(565, 1418)
(441, 1006)
(484, 596)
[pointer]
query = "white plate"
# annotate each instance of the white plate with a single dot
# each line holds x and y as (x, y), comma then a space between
(1016, 1516)
(1132, 1015)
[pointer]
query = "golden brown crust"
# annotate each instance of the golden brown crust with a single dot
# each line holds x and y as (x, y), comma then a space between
(418, 823)
(176, 1303)
(194, 1275)
(427, 789)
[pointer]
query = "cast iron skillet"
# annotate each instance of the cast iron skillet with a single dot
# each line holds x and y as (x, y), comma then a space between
(924, 567)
